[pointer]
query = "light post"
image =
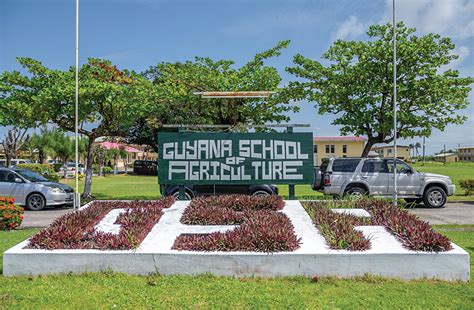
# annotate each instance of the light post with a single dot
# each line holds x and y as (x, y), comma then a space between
(77, 197)
(395, 190)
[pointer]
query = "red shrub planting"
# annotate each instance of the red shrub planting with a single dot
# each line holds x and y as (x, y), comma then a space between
(227, 209)
(261, 229)
(76, 230)
(413, 233)
(11, 215)
(338, 229)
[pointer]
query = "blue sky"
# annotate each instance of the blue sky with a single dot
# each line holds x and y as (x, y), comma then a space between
(135, 34)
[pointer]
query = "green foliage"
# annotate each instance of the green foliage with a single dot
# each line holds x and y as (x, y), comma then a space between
(467, 185)
(171, 98)
(357, 82)
(45, 170)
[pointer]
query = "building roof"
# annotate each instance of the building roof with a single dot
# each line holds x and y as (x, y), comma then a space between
(112, 145)
(385, 146)
(445, 154)
(466, 147)
(322, 139)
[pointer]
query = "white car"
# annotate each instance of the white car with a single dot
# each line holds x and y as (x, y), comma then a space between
(71, 170)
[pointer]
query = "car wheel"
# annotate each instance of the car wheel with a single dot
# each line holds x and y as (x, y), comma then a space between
(261, 193)
(35, 202)
(355, 191)
(434, 197)
(187, 196)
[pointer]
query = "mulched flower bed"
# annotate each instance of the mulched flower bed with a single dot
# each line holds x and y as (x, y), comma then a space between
(338, 229)
(262, 228)
(76, 230)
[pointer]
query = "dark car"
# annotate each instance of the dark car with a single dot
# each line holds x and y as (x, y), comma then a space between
(192, 191)
(145, 167)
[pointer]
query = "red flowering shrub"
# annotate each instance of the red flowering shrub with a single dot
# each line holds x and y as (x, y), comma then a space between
(76, 230)
(338, 229)
(261, 229)
(413, 233)
(227, 209)
(11, 215)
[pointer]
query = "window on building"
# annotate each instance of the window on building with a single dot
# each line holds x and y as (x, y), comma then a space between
(344, 149)
(389, 151)
(330, 149)
(315, 148)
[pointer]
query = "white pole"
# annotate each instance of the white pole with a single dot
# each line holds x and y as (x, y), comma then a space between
(76, 114)
(395, 190)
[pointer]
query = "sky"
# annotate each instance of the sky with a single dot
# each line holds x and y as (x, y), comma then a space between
(135, 34)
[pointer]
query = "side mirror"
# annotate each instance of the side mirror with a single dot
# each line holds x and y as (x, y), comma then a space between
(18, 180)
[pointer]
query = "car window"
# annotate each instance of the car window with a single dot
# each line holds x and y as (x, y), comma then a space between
(402, 167)
(345, 165)
(7, 176)
(375, 166)
(3, 176)
(31, 176)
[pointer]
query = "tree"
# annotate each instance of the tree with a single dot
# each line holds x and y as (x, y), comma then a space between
(44, 143)
(108, 99)
(65, 148)
(13, 141)
(356, 84)
(101, 155)
(172, 100)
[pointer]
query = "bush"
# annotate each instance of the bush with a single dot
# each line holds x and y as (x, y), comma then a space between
(76, 230)
(11, 216)
(467, 186)
(45, 170)
(338, 229)
(261, 229)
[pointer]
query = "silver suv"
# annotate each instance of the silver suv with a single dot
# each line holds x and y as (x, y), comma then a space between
(374, 176)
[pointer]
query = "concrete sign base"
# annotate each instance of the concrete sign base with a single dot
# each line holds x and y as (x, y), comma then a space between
(386, 257)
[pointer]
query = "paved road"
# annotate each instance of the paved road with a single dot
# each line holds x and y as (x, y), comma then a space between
(453, 213)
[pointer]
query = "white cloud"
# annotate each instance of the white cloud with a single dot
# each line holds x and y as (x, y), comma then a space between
(463, 53)
(351, 28)
(454, 18)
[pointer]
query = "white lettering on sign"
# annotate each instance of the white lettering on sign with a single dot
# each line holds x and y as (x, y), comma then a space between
(220, 160)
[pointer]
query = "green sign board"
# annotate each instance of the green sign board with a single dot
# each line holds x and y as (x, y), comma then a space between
(235, 158)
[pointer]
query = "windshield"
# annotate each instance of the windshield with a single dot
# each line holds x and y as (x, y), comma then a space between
(31, 176)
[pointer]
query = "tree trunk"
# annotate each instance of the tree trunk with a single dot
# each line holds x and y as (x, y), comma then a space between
(367, 148)
(8, 159)
(115, 166)
(88, 180)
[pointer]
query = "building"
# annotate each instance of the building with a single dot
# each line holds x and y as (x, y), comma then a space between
(446, 157)
(466, 153)
(386, 151)
(134, 152)
(333, 147)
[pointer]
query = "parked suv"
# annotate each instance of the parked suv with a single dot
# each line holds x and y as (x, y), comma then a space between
(192, 191)
(145, 167)
(374, 176)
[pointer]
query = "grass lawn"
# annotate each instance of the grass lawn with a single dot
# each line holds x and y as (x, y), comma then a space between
(108, 290)
(146, 187)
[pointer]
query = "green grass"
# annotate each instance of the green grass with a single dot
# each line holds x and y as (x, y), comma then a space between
(456, 171)
(110, 290)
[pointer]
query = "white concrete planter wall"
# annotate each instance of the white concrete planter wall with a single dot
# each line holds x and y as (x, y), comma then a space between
(385, 258)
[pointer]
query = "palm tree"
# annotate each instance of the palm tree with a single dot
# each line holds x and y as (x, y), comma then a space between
(417, 146)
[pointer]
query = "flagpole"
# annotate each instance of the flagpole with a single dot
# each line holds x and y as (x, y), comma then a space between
(395, 189)
(76, 114)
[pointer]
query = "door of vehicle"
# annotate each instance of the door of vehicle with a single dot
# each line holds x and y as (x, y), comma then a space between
(10, 188)
(375, 173)
(408, 180)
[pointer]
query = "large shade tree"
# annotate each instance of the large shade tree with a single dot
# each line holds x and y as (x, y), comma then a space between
(108, 99)
(172, 100)
(355, 82)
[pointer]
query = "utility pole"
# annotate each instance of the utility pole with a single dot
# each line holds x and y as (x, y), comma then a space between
(395, 189)
(77, 196)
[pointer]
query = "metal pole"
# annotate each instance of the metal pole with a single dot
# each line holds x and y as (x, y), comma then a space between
(395, 189)
(76, 114)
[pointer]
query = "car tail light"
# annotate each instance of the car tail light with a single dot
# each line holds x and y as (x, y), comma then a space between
(327, 179)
